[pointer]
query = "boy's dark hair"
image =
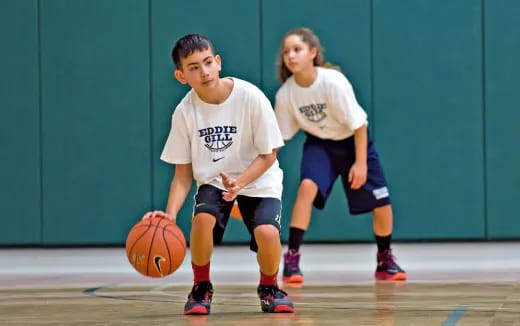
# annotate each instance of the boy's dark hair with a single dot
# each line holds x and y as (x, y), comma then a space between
(188, 44)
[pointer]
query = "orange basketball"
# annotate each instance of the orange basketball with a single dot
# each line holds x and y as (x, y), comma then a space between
(235, 212)
(155, 247)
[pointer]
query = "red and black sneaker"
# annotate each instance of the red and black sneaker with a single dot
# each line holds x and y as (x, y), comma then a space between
(272, 299)
(291, 267)
(199, 299)
(387, 268)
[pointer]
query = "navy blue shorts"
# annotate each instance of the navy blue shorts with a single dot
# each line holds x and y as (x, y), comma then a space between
(324, 160)
(255, 211)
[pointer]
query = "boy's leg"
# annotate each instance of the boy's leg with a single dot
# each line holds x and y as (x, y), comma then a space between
(262, 219)
(210, 218)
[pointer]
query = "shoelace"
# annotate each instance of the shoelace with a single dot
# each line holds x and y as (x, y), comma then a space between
(200, 291)
(273, 292)
(292, 259)
(388, 259)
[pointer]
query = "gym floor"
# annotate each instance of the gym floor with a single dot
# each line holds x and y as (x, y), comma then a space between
(449, 284)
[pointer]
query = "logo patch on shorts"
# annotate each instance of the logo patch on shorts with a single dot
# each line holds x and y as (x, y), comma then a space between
(277, 219)
(381, 193)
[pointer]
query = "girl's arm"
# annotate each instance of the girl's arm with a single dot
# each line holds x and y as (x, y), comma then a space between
(358, 172)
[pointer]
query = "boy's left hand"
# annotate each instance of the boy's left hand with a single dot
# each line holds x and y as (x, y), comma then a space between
(231, 185)
(357, 175)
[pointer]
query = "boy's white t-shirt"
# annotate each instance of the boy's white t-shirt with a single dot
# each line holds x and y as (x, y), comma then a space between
(226, 137)
(327, 109)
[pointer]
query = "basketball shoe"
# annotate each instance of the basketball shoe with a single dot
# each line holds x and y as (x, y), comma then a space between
(387, 268)
(272, 299)
(199, 299)
(291, 267)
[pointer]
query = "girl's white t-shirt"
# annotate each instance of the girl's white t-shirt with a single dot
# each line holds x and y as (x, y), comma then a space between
(327, 109)
(226, 137)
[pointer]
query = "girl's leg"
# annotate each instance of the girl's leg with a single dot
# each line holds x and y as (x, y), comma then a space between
(301, 214)
(387, 268)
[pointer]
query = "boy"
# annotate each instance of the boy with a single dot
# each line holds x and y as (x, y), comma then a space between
(224, 135)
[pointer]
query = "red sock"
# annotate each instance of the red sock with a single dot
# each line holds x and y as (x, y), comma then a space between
(200, 273)
(268, 280)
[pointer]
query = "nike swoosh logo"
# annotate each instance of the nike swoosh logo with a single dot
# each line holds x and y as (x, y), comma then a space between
(217, 159)
(157, 260)
(199, 204)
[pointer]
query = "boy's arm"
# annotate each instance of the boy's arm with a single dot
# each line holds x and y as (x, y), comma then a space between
(179, 189)
(258, 167)
(358, 172)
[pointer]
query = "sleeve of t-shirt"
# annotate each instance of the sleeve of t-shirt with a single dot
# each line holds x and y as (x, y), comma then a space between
(286, 121)
(266, 133)
(349, 111)
(177, 149)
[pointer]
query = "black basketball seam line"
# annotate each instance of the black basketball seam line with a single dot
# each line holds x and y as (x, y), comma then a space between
(167, 249)
(150, 248)
(172, 233)
(135, 242)
(165, 229)
(177, 237)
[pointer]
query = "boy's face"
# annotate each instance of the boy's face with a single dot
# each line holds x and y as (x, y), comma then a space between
(200, 70)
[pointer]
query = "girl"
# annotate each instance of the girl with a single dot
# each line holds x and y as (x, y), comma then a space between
(319, 99)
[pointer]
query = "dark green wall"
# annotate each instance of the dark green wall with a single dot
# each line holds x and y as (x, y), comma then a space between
(428, 114)
(20, 163)
(502, 117)
(95, 119)
(87, 92)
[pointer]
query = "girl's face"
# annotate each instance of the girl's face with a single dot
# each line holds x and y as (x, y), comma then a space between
(297, 55)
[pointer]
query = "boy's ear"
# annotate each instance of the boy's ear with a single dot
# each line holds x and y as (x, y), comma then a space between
(218, 60)
(179, 75)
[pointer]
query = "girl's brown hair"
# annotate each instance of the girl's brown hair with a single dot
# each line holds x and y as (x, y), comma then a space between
(307, 36)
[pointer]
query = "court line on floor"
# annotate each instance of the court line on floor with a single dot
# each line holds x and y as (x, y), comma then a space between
(455, 316)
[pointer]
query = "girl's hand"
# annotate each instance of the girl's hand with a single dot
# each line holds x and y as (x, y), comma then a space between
(232, 187)
(357, 175)
(159, 214)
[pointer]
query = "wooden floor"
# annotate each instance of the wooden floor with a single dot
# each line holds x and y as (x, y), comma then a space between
(450, 284)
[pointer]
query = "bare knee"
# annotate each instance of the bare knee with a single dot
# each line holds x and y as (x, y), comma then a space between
(266, 234)
(307, 190)
(203, 221)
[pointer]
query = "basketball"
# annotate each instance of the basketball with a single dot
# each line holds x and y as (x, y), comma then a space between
(155, 247)
(235, 212)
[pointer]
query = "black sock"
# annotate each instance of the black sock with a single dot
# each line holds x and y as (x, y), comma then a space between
(295, 238)
(383, 243)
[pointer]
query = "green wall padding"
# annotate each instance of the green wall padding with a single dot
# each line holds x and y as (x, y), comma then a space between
(502, 50)
(19, 123)
(96, 119)
(428, 115)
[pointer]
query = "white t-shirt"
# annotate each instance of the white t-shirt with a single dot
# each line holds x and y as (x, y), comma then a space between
(327, 109)
(226, 137)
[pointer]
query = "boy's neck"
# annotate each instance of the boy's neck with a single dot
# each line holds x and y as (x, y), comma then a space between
(219, 94)
(306, 77)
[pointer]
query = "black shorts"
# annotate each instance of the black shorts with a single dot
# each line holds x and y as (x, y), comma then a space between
(255, 211)
(324, 160)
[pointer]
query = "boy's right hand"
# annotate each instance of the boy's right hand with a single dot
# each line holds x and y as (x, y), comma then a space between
(160, 214)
